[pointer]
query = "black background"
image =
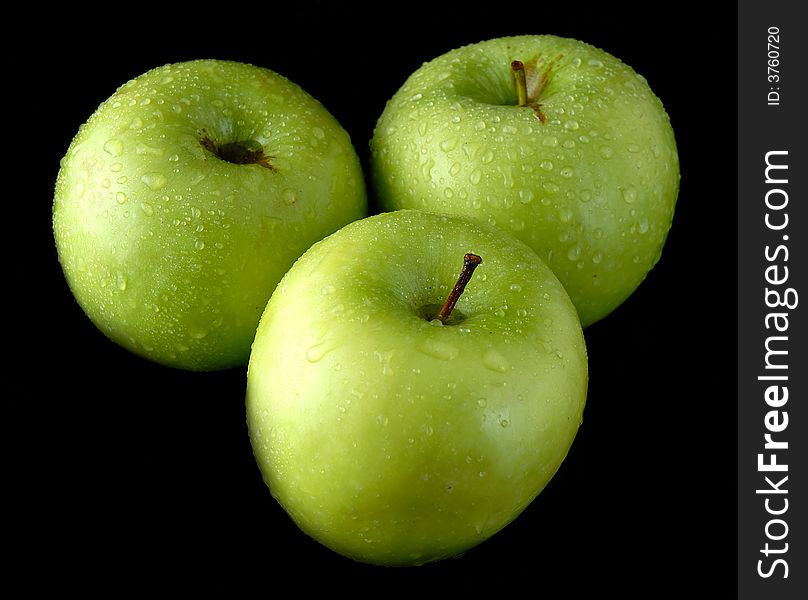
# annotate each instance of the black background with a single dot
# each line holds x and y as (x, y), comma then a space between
(119, 472)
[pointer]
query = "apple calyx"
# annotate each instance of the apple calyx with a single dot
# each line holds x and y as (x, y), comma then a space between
(530, 83)
(470, 262)
(246, 152)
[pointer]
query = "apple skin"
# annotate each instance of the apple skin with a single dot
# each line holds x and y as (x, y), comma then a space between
(174, 252)
(395, 440)
(592, 189)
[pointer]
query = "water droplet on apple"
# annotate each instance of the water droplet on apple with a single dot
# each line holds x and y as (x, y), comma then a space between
(145, 149)
(525, 196)
(504, 422)
(516, 287)
(81, 187)
(597, 257)
(629, 194)
(547, 165)
(327, 290)
(494, 361)
(586, 195)
(487, 157)
(606, 152)
(566, 172)
(154, 181)
(594, 62)
(565, 216)
(121, 281)
(147, 209)
(439, 349)
(475, 176)
(449, 144)
(289, 197)
(573, 253)
(120, 198)
(633, 148)
(122, 179)
(173, 158)
(571, 125)
(550, 187)
(197, 333)
(318, 351)
(115, 167)
(199, 245)
(517, 224)
(550, 141)
(643, 225)
(113, 147)
(481, 403)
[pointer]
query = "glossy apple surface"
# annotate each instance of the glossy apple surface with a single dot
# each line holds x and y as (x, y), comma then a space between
(394, 439)
(187, 195)
(586, 172)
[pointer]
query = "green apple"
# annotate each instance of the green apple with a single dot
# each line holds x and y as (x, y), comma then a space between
(548, 138)
(391, 430)
(187, 195)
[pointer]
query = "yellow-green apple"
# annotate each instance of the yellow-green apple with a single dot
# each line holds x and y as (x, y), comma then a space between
(187, 195)
(392, 427)
(548, 138)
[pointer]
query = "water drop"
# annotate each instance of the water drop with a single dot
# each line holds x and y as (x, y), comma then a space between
(571, 125)
(547, 165)
(550, 187)
(550, 141)
(147, 209)
(594, 62)
(289, 197)
(438, 349)
(565, 216)
(487, 157)
(81, 187)
(448, 144)
(115, 167)
(573, 253)
(199, 245)
(586, 195)
(597, 257)
(318, 351)
(597, 233)
(122, 179)
(525, 196)
(113, 147)
(105, 183)
(120, 198)
(154, 181)
(145, 149)
(318, 133)
(455, 169)
(515, 287)
(629, 194)
(121, 281)
(475, 176)
(606, 152)
(494, 361)
(633, 148)
(566, 172)
(643, 225)
(197, 333)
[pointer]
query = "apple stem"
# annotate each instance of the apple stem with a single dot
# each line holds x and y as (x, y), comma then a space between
(518, 69)
(470, 262)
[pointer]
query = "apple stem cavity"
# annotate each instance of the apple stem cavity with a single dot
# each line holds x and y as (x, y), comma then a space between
(247, 152)
(518, 69)
(470, 262)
